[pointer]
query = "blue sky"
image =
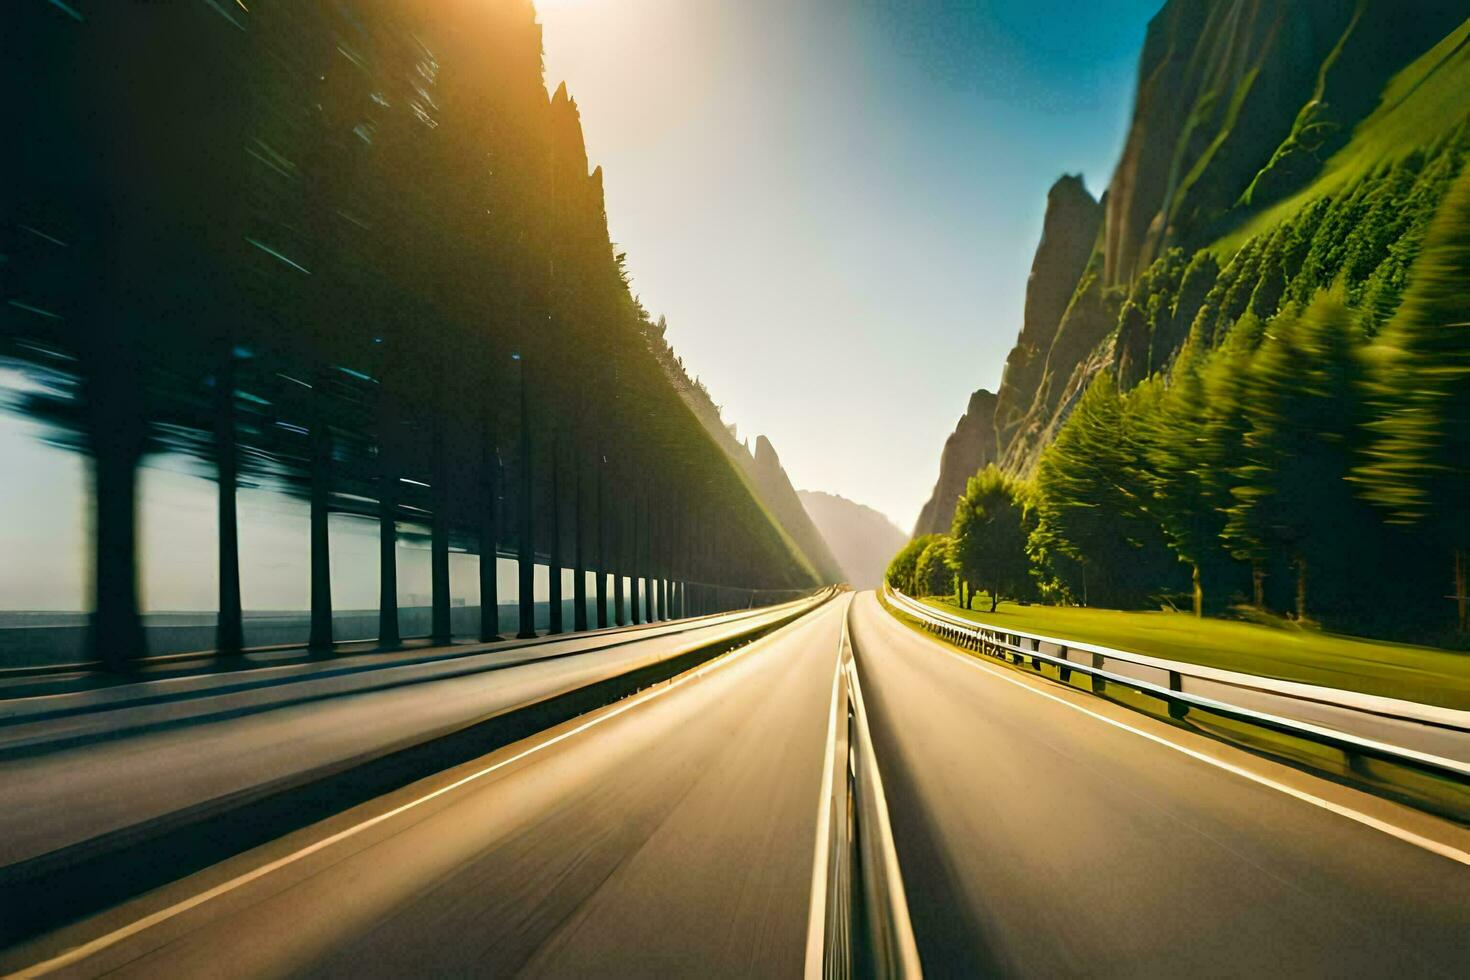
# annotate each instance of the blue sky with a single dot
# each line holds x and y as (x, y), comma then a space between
(835, 202)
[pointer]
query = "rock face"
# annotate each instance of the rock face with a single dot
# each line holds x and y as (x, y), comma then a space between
(968, 449)
(1069, 235)
(776, 492)
(863, 540)
(1239, 103)
(1246, 99)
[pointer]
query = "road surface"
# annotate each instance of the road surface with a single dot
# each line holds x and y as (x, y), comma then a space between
(163, 757)
(671, 833)
(1037, 839)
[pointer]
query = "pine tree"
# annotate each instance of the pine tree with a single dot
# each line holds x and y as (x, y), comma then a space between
(1419, 466)
(1178, 475)
(1092, 505)
(1303, 401)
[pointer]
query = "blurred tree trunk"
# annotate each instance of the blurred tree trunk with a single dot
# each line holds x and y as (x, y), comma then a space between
(620, 601)
(647, 562)
(439, 539)
(525, 539)
(666, 569)
(635, 571)
(321, 496)
(1301, 589)
(600, 587)
(554, 531)
(388, 635)
(1460, 598)
(489, 531)
(579, 555)
(620, 597)
(229, 627)
(116, 633)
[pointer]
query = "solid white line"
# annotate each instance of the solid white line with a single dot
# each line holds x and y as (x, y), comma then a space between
(79, 953)
(816, 923)
(1408, 836)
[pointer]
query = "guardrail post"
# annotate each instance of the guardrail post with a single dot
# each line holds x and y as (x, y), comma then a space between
(1065, 672)
(1099, 685)
(1177, 709)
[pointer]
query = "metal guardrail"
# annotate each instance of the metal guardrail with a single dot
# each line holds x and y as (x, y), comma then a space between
(868, 932)
(1019, 648)
(1368, 704)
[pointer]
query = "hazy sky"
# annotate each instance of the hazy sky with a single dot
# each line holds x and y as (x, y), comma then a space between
(835, 202)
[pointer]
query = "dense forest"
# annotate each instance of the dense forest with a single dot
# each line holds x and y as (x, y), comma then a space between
(353, 251)
(1306, 452)
(1274, 419)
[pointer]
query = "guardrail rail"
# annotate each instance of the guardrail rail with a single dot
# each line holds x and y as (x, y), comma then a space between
(1431, 779)
(867, 931)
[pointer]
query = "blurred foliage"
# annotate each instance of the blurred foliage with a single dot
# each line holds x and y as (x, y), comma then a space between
(1289, 430)
(902, 569)
(352, 215)
(932, 572)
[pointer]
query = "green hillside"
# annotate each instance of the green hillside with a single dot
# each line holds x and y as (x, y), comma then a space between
(1422, 105)
(1255, 395)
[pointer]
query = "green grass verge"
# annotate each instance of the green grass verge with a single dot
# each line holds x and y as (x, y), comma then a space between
(1397, 670)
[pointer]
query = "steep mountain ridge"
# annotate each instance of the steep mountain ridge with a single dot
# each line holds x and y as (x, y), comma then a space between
(1069, 235)
(968, 448)
(1245, 99)
(775, 489)
(1247, 112)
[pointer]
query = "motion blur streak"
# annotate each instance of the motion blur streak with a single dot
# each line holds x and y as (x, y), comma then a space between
(614, 854)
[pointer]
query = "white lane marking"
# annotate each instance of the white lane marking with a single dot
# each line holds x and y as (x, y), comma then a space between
(816, 923)
(79, 953)
(1408, 836)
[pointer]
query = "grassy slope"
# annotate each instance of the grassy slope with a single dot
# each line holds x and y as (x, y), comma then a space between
(1422, 103)
(1423, 674)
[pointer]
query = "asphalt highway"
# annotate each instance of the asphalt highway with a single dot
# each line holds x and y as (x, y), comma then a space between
(1039, 831)
(672, 833)
(1042, 832)
(143, 761)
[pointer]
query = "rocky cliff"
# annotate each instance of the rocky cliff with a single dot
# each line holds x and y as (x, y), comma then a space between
(968, 449)
(1069, 235)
